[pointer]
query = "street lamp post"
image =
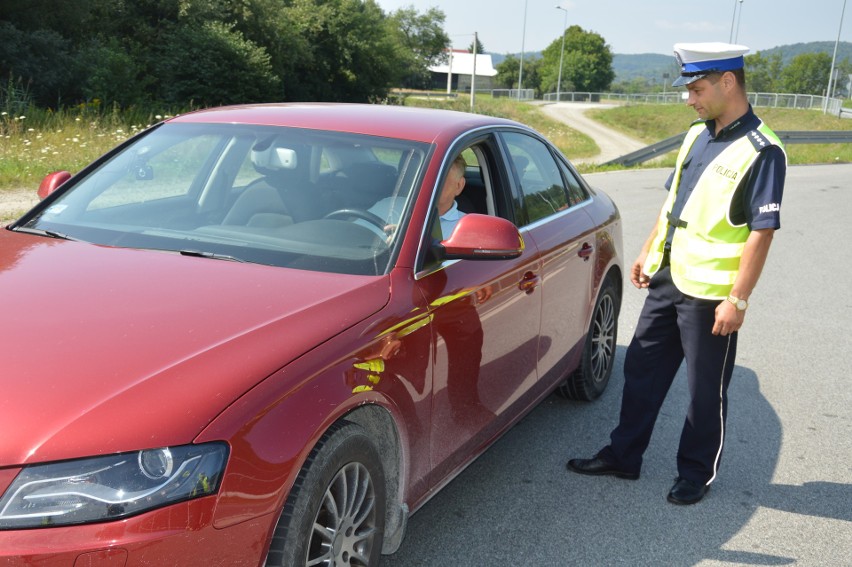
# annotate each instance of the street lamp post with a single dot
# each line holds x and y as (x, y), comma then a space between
(523, 40)
(831, 87)
(733, 20)
(739, 21)
(561, 55)
(733, 38)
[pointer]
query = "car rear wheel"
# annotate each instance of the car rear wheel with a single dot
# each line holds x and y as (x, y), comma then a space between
(336, 510)
(590, 379)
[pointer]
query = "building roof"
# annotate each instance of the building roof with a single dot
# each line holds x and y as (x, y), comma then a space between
(461, 63)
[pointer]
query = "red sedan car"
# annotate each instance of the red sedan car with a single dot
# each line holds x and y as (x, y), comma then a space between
(265, 335)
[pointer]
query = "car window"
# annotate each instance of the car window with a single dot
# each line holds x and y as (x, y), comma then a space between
(576, 191)
(307, 199)
(475, 196)
(538, 174)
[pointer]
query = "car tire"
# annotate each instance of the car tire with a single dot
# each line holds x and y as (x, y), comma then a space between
(590, 379)
(335, 513)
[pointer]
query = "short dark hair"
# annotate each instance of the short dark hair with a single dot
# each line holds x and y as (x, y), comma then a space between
(739, 76)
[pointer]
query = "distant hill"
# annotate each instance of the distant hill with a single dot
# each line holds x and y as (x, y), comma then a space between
(844, 50)
(643, 66)
(655, 65)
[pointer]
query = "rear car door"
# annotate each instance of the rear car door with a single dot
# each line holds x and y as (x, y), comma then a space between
(552, 216)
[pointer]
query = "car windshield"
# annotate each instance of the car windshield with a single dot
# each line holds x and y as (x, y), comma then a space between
(289, 197)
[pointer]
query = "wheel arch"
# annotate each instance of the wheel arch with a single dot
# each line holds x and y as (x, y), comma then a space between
(382, 429)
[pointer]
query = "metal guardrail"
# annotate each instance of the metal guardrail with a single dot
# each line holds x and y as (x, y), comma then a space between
(423, 94)
(522, 94)
(787, 137)
(832, 106)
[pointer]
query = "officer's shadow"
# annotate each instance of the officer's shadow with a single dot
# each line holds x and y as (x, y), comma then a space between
(745, 485)
(759, 425)
(520, 487)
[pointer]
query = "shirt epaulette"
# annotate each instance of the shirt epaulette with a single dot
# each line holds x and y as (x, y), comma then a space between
(758, 140)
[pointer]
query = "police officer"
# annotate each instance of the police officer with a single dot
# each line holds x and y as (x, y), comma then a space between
(700, 265)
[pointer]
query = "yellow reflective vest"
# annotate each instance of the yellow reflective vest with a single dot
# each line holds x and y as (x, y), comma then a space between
(707, 246)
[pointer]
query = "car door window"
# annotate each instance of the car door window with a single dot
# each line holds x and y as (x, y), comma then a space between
(538, 175)
(576, 191)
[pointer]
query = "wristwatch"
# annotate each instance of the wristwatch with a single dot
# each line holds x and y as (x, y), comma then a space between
(740, 304)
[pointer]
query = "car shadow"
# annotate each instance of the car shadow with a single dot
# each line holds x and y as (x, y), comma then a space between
(517, 504)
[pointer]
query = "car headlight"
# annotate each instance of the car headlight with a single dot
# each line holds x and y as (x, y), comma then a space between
(111, 487)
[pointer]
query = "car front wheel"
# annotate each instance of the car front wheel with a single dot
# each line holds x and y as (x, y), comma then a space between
(336, 510)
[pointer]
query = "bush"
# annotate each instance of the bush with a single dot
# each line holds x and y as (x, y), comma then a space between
(210, 64)
(42, 55)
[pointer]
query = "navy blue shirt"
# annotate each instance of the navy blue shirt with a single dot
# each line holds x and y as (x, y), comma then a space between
(757, 201)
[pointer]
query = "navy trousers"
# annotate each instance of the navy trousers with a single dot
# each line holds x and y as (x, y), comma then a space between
(674, 327)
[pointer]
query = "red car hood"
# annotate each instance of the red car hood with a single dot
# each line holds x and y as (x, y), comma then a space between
(108, 349)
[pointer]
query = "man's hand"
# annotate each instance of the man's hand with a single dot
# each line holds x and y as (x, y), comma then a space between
(639, 278)
(729, 319)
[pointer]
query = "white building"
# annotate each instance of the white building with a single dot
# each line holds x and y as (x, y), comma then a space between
(460, 66)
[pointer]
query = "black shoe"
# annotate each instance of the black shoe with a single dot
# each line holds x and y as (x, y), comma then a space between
(598, 467)
(687, 491)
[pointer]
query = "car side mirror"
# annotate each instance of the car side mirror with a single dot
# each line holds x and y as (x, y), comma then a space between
(482, 237)
(52, 182)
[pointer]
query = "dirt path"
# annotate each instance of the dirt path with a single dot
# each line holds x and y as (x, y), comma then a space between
(15, 202)
(612, 144)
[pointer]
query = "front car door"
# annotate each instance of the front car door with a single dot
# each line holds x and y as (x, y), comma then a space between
(485, 321)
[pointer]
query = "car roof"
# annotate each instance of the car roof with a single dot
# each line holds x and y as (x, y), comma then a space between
(410, 123)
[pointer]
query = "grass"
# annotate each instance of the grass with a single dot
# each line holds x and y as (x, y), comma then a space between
(572, 143)
(36, 142)
(652, 123)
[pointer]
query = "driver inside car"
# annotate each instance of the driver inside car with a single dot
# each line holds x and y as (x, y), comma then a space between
(390, 208)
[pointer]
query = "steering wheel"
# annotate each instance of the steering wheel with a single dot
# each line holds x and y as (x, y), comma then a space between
(361, 214)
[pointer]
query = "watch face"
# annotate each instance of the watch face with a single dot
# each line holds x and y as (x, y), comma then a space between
(741, 304)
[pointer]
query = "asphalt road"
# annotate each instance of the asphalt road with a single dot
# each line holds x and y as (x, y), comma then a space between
(784, 493)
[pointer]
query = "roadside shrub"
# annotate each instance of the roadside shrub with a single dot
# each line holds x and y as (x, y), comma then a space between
(211, 64)
(43, 54)
(111, 74)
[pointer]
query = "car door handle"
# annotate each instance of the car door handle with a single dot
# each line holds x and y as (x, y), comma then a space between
(529, 282)
(586, 251)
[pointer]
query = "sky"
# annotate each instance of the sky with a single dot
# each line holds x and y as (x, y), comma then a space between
(637, 26)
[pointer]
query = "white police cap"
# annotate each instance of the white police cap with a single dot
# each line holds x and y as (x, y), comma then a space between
(697, 60)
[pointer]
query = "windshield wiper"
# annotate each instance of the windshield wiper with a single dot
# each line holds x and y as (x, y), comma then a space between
(211, 255)
(48, 233)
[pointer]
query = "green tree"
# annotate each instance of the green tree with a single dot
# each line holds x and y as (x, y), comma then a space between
(210, 64)
(587, 63)
(109, 72)
(508, 73)
(806, 74)
(763, 73)
(213, 51)
(41, 60)
(843, 71)
(349, 56)
(478, 44)
(419, 41)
